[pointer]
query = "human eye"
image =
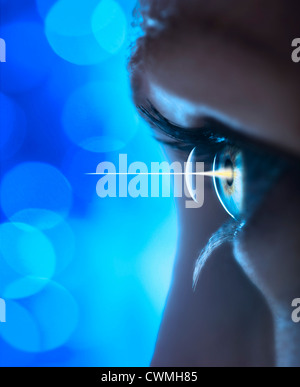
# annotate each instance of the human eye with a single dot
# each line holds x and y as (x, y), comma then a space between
(242, 176)
(243, 169)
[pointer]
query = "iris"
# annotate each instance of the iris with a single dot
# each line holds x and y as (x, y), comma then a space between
(230, 190)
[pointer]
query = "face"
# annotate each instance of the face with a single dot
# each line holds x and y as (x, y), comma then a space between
(220, 66)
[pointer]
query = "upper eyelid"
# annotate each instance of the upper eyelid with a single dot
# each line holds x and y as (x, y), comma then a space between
(219, 130)
(176, 135)
(209, 146)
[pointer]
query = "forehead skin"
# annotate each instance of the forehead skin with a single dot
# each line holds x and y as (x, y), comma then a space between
(233, 58)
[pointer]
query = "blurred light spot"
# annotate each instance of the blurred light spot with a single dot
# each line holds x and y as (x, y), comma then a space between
(109, 25)
(44, 322)
(44, 6)
(56, 230)
(100, 117)
(56, 313)
(35, 185)
(20, 330)
(13, 124)
(7, 275)
(102, 144)
(69, 32)
(28, 56)
(23, 288)
(63, 242)
(38, 218)
(75, 166)
(157, 260)
(27, 250)
(13, 285)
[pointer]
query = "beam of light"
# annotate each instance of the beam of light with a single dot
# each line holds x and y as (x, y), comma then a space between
(221, 174)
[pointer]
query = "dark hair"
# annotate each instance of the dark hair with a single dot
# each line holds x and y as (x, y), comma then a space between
(268, 26)
(272, 24)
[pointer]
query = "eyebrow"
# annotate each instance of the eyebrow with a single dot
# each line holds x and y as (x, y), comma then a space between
(211, 132)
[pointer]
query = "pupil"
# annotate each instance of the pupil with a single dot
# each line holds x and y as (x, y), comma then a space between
(229, 165)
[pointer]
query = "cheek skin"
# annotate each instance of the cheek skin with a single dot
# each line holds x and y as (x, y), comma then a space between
(214, 325)
(269, 247)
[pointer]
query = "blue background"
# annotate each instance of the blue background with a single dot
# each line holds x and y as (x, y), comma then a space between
(85, 279)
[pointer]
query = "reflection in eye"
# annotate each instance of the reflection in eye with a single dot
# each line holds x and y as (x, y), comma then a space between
(256, 165)
(245, 170)
(242, 178)
(228, 178)
(230, 189)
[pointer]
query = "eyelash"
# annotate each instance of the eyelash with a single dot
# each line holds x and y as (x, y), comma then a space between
(183, 139)
(212, 135)
(263, 167)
